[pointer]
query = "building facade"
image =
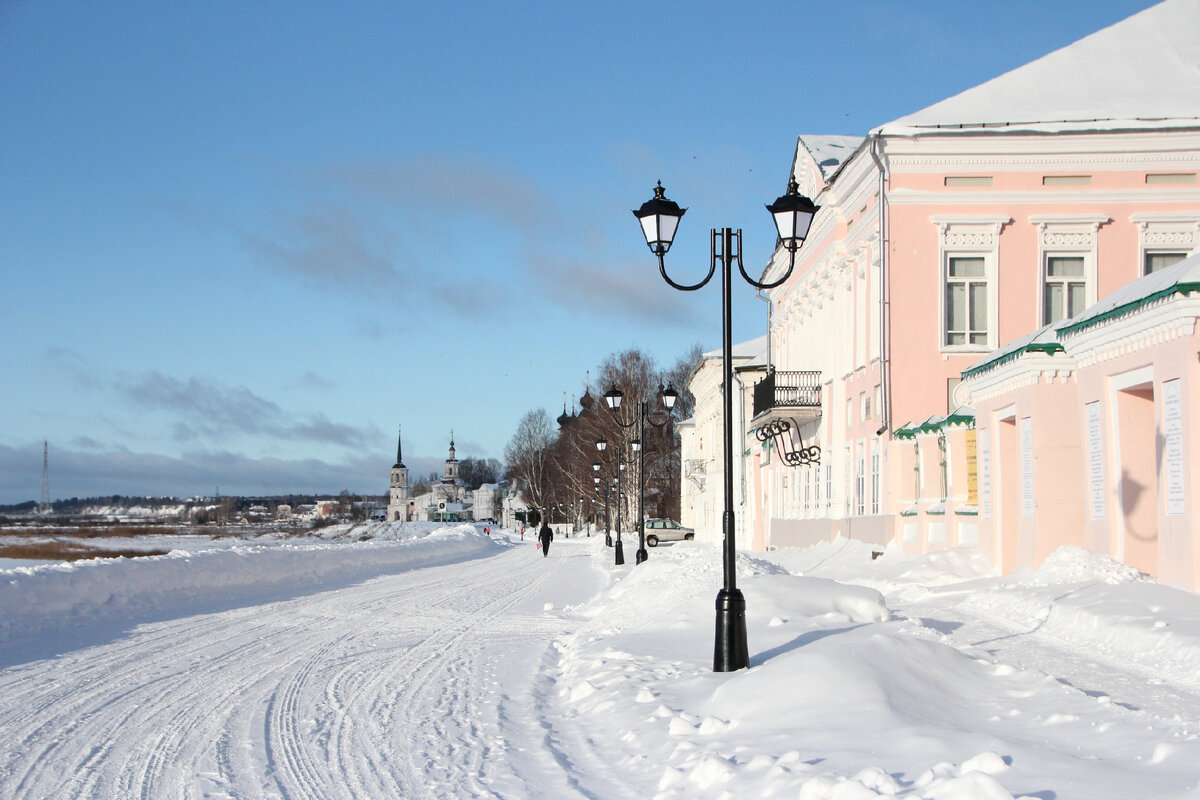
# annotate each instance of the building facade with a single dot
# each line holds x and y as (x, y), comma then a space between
(952, 238)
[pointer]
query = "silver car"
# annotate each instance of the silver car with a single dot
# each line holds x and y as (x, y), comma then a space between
(666, 530)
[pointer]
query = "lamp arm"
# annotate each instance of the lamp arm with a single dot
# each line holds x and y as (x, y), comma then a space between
(786, 275)
(662, 268)
(629, 424)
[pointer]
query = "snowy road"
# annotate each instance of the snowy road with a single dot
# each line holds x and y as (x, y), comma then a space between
(445, 664)
(396, 687)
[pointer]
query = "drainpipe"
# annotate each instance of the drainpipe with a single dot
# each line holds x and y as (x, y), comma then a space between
(884, 293)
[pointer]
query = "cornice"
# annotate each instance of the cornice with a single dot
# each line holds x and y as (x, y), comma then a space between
(1172, 318)
(1052, 149)
(1082, 196)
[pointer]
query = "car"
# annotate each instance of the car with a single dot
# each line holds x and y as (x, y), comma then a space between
(666, 530)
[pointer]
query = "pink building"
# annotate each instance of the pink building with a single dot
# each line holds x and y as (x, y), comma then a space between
(1086, 431)
(948, 234)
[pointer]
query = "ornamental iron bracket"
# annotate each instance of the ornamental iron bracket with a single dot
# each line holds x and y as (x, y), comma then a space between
(789, 444)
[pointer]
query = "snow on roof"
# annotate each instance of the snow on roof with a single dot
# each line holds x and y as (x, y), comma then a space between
(1043, 340)
(829, 152)
(754, 349)
(1180, 278)
(1142, 72)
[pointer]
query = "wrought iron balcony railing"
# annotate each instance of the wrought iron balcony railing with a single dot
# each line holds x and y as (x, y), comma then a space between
(787, 389)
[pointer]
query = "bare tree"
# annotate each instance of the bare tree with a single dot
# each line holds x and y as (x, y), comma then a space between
(528, 457)
(477, 471)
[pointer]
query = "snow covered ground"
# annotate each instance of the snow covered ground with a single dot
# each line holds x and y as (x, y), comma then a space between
(439, 662)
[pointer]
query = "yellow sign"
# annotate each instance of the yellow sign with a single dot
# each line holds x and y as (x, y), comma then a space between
(972, 470)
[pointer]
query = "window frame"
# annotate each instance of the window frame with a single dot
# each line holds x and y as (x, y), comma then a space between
(1067, 236)
(970, 236)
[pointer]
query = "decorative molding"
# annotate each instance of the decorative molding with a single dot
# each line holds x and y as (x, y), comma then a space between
(922, 197)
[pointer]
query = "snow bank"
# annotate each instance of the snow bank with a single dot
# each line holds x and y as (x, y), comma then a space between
(1095, 602)
(51, 597)
(843, 698)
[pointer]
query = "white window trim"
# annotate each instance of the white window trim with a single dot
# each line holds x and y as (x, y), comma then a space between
(970, 235)
(1166, 232)
(1068, 235)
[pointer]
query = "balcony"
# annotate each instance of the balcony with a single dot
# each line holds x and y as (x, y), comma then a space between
(788, 394)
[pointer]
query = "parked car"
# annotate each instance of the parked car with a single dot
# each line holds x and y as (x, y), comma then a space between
(666, 530)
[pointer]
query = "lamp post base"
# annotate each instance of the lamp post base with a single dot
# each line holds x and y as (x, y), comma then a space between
(730, 651)
(607, 540)
(640, 556)
(620, 553)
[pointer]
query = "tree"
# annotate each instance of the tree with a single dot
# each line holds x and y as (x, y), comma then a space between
(527, 456)
(477, 471)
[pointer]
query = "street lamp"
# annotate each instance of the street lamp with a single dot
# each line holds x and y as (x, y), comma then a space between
(659, 217)
(618, 547)
(667, 398)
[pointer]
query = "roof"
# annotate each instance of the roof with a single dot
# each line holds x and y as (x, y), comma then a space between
(829, 151)
(1043, 340)
(1182, 278)
(753, 349)
(1142, 72)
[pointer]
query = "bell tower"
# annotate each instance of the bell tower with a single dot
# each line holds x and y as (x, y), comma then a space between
(450, 476)
(397, 510)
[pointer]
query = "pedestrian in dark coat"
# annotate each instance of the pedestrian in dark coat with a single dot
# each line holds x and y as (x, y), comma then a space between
(546, 536)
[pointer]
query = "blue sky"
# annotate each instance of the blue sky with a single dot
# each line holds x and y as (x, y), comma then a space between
(242, 242)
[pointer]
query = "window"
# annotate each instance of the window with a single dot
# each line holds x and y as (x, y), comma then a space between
(966, 301)
(960, 181)
(860, 478)
(1066, 180)
(1067, 246)
(864, 403)
(1169, 178)
(828, 485)
(1153, 261)
(1065, 291)
(875, 479)
(968, 249)
(1166, 237)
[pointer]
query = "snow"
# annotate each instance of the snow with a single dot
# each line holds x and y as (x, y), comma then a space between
(435, 661)
(830, 152)
(1142, 72)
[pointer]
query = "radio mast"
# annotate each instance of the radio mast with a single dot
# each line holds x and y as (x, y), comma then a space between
(44, 506)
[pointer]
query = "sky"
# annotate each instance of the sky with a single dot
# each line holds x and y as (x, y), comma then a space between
(243, 243)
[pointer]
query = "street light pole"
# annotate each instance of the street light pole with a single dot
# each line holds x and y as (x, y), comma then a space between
(613, 397)
(659, 218)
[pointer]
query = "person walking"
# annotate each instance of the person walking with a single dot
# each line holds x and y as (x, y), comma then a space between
(546, 536)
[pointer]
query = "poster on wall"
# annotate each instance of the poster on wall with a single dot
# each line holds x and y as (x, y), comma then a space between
(1173, 447)
(972, 453)
(985, 473)
(1095, 445)
(1027, 467)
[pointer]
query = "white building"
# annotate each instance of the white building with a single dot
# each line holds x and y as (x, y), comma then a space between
(448, 500)
(702, 501)
(487, 502)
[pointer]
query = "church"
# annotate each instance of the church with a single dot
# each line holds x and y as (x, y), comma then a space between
(448, 500)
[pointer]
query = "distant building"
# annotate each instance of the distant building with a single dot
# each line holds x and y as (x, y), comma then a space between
(486, 502)
(399, 508)
(447, 501)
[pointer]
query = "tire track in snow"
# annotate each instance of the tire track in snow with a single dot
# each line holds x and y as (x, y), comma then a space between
(376, 690)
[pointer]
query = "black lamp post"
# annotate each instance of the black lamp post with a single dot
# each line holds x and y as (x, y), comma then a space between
(618, 547)
(608, 542)
(659, 218)
(667, 397)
